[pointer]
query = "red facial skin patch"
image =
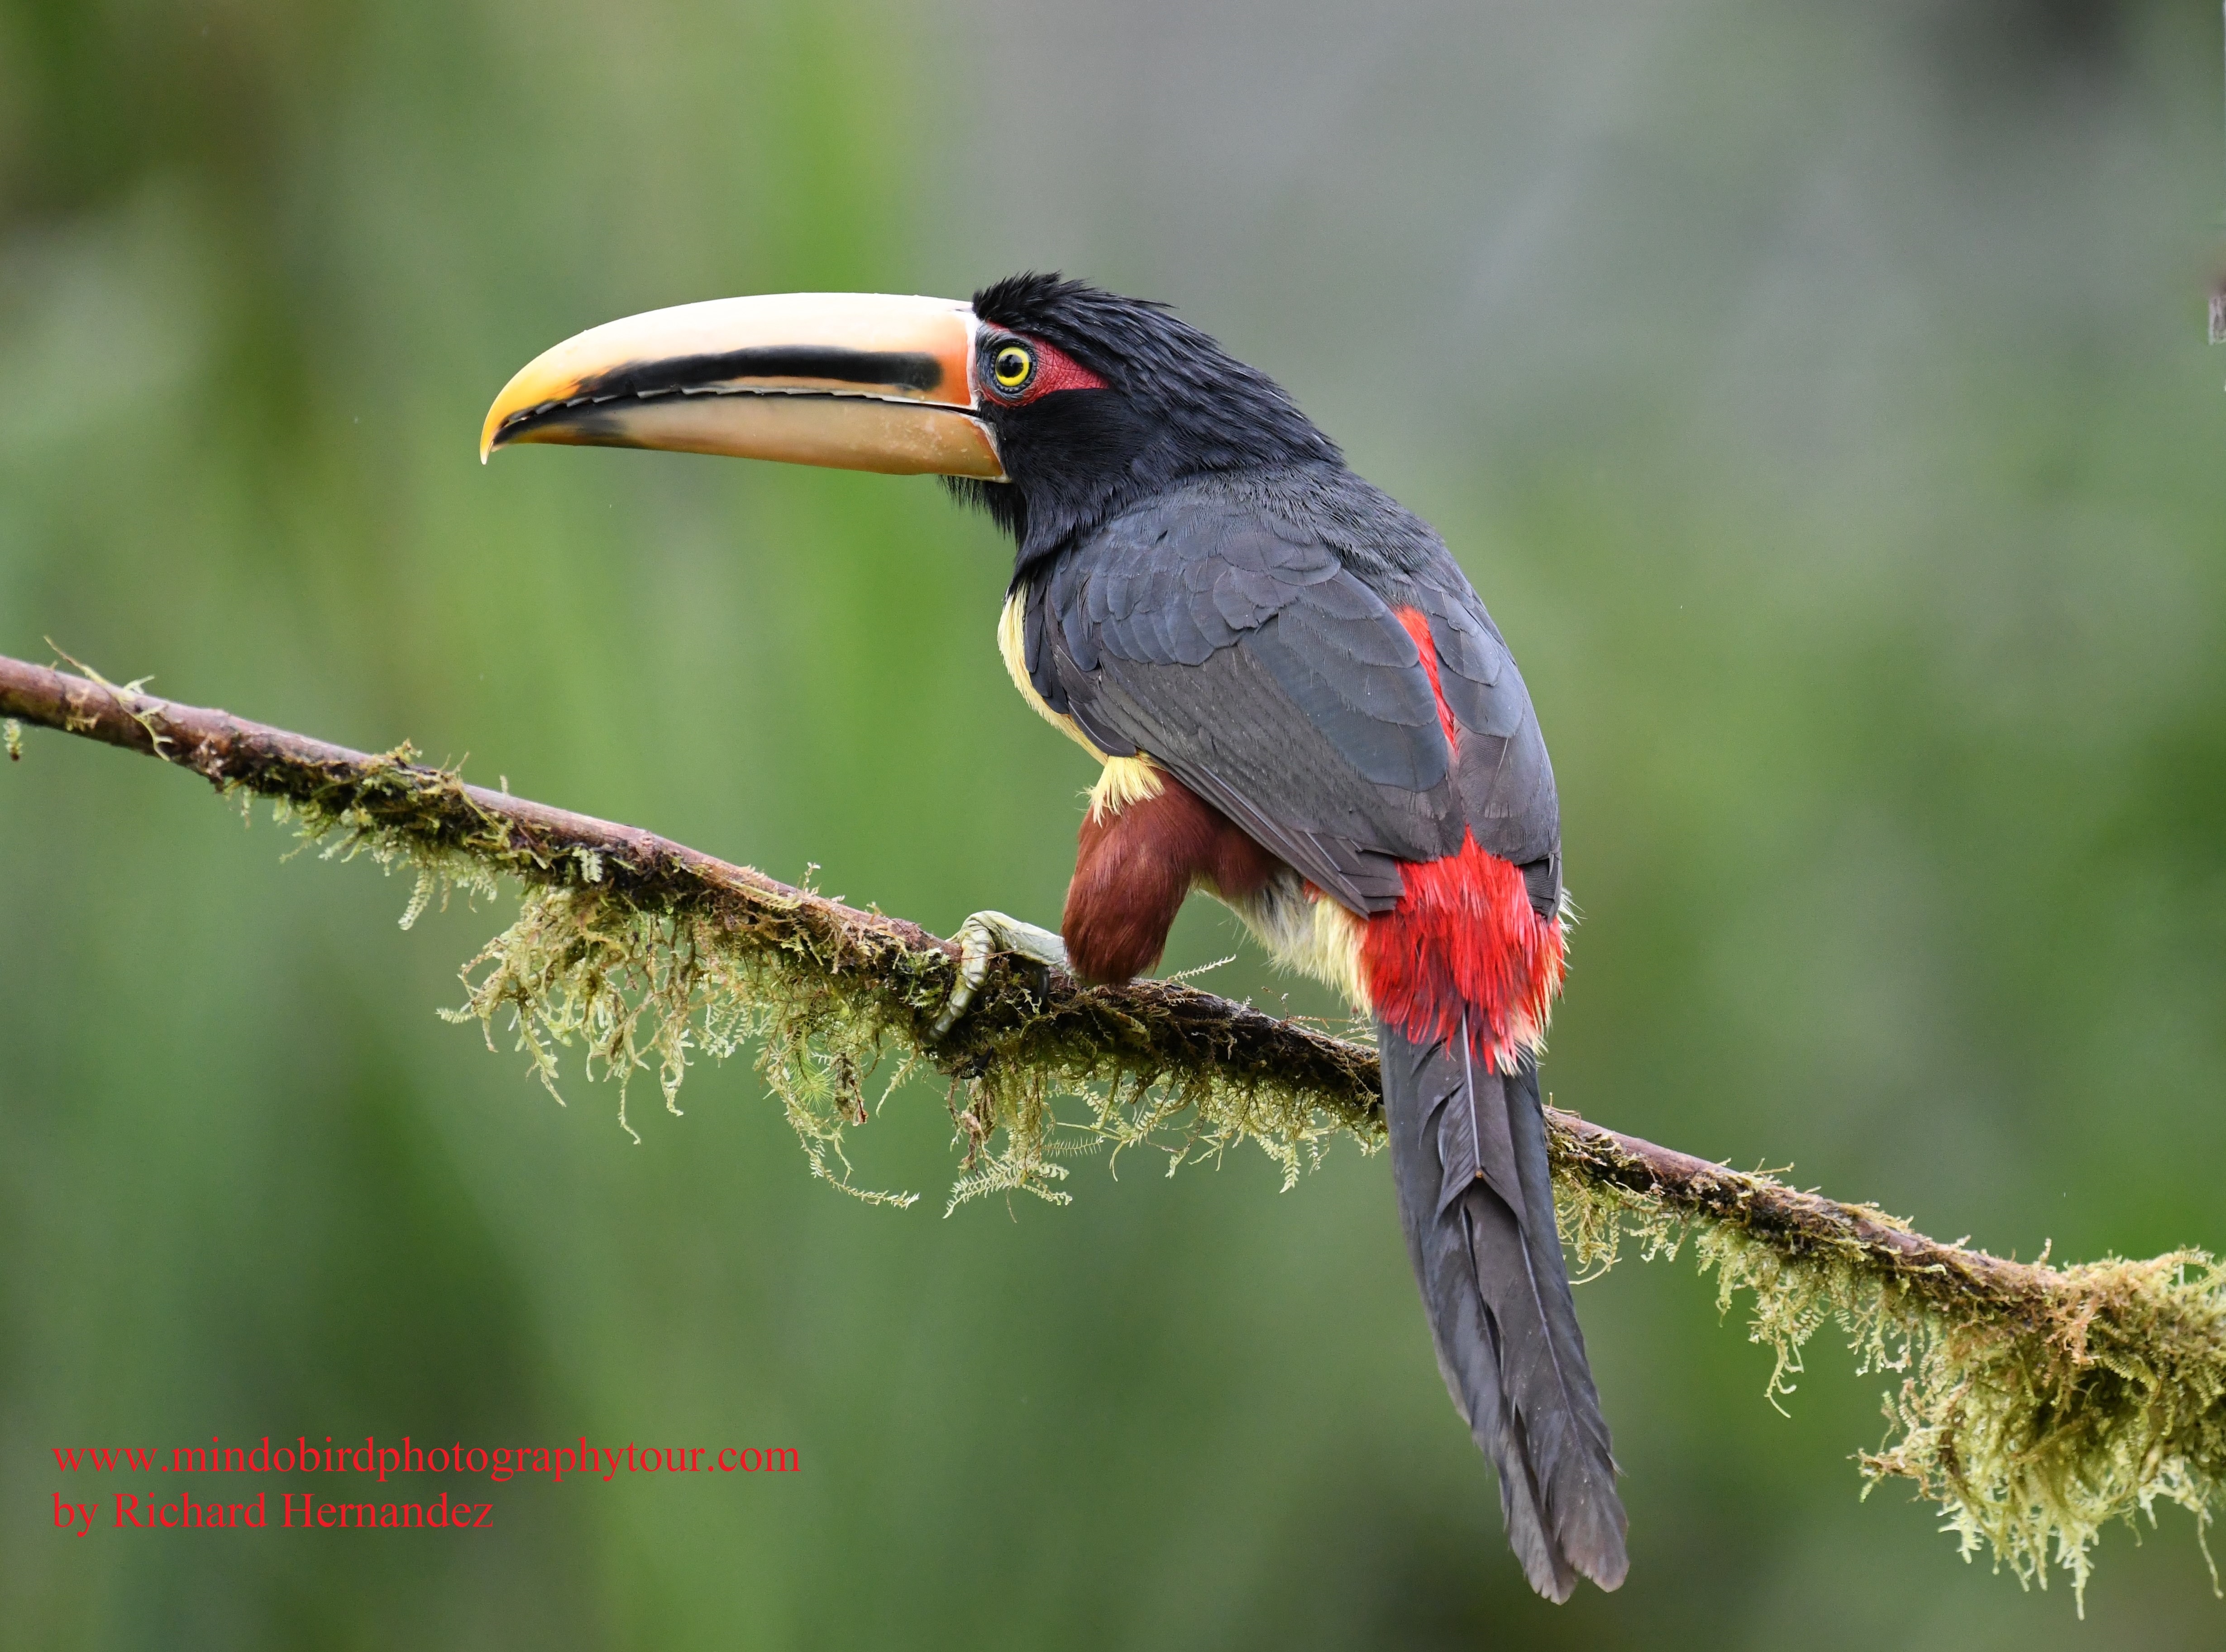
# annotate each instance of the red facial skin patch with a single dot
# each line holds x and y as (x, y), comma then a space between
(1055, 371)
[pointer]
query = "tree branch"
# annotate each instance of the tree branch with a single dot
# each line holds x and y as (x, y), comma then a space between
(2038, 1402)
(1175, 1027)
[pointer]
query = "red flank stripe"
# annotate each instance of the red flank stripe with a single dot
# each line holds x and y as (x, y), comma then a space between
(1418, 627)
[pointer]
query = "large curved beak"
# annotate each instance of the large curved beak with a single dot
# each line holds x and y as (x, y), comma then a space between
(861, 381)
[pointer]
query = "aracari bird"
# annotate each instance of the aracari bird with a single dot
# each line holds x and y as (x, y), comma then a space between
(1300, 705)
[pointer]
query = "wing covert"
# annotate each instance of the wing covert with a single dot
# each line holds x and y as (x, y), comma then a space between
(1239, 651)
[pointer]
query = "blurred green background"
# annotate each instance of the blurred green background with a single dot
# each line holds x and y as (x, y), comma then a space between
(1816, 392)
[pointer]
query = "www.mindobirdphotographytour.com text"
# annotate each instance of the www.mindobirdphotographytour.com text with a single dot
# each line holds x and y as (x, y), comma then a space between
(345, 1486)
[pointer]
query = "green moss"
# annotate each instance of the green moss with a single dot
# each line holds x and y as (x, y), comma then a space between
(640, 991)
(2033, 1423)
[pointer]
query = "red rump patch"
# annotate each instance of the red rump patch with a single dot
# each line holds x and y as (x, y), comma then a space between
(1463, 940)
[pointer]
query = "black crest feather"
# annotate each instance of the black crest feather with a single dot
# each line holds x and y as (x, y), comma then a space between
(1177, 405)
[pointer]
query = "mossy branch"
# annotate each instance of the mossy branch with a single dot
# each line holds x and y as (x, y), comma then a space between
(2036, 1403)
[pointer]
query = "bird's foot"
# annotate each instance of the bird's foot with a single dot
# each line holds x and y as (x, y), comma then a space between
(983, 936)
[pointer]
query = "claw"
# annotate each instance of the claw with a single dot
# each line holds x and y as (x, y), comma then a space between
(981, 937)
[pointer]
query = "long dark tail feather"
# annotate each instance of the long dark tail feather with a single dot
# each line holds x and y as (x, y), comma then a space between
(1468, 1152)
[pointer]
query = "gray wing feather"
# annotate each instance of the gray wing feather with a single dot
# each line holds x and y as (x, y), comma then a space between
(1237, 649)
(1501, 773)
(1248, 749)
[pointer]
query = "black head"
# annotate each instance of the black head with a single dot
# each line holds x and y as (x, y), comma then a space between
(1097, 401)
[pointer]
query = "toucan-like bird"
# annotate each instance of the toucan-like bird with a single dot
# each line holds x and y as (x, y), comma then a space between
(1300, 705)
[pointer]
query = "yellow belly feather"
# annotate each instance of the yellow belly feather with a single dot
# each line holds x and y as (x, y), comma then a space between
(1125, 780)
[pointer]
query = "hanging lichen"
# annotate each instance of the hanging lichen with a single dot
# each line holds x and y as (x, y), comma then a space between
(639, 990)
(2094, 1396)
(2086, 1397)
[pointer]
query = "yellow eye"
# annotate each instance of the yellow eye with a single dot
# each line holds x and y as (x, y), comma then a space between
(1012, 367)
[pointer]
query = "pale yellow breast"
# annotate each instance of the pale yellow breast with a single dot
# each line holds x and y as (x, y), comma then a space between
(1125, 780)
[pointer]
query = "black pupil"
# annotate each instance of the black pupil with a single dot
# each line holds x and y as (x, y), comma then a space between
(1012, 364)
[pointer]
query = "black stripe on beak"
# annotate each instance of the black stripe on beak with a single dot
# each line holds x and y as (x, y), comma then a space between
(903, 369)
